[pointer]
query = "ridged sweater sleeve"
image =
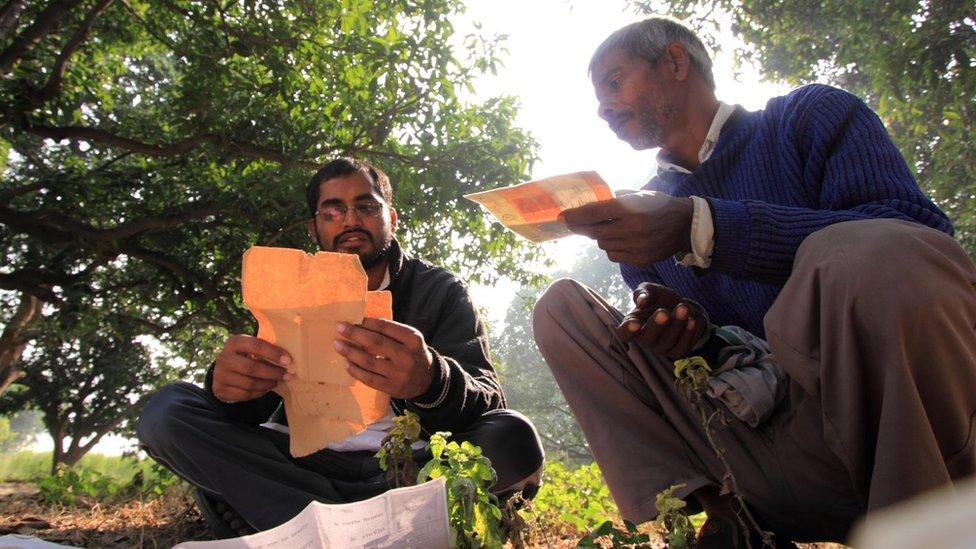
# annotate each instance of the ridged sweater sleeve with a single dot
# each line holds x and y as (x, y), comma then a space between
(465, 385)
(843, 158)
(633, 275)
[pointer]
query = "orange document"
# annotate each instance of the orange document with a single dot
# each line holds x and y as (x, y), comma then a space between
(532, 209)
(298, 299)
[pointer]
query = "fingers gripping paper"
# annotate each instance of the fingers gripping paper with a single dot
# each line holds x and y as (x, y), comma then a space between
(298, 299)
(532, 209)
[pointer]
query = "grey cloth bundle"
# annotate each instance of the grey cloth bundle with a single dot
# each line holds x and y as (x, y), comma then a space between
(747, 380)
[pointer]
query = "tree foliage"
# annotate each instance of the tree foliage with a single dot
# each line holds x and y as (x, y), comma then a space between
(144, 145)
(529, 386)
(913, 61)
(150, 143)
(88, 376)
(17, 430)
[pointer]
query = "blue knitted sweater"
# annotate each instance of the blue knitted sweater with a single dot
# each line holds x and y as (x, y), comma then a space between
(814, 157)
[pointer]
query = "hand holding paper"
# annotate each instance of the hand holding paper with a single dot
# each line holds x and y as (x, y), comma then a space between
(532, 209)
(388, 356)
(639, 228)
(247, 368)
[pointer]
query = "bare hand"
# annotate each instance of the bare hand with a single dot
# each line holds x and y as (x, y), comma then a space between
(638, 228)
(388, 356)
(247, 368)
(662, 322)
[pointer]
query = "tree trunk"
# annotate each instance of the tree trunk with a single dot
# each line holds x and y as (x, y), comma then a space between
(76, 450)
(57, 456)
(72, 456)
(13, 340)
(55, 428)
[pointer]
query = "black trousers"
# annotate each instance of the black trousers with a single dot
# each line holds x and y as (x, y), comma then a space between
(183, 428)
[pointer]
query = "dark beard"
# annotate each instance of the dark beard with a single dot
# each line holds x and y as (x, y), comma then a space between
(653, 122)
(368, 260)
(371, 260)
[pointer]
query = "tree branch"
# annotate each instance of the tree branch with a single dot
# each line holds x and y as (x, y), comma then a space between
(60, 228)
(250, 150)
(183, 276)
(28, 286)
(229, 144)
(46, 20)
(234, 260)
(113, 288)
(162, 39)
(102, 136)
(154, 223)
(283, 231)
(57, 74)
(97, 436)
(28, 309)
(157, 328)
(7, 194)
(38, 282)
(9, 13)
(14, 340)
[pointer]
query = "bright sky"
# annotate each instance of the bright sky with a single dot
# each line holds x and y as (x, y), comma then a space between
(549, 46)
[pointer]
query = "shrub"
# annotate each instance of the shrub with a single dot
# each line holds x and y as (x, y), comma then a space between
(578, 497)
(73, 485)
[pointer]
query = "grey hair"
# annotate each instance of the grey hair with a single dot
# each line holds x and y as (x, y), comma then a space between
(648, 40)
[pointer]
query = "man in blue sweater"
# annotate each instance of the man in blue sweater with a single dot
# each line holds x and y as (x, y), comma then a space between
(800, 225)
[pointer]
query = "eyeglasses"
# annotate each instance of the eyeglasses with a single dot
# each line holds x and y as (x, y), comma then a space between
(337, 212)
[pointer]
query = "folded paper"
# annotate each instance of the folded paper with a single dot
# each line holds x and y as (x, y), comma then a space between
(297, 299)
(531, 210)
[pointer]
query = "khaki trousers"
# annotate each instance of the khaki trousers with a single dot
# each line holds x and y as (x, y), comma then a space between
(875, 328)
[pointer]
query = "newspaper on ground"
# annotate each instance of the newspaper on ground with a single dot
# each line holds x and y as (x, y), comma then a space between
(531, 210)
(18, 541)
(412, 517)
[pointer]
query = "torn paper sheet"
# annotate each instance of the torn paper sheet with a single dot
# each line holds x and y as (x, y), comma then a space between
(531, 209)
(415, 516)
(298, 299)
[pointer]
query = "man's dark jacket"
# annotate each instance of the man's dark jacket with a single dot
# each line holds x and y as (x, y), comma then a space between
(438, 304)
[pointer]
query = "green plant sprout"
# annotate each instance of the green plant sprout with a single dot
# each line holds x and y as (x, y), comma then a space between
(395, 454)
(691, 381)
(629, 537)
(472, 509)
(671, 515)
(514, 527)
(475, 518)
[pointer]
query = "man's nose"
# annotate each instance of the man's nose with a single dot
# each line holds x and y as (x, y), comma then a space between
(351, 218)
(604, 110)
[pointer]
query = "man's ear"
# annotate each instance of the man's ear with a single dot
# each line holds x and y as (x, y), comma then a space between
(311, 230)
(393, 220)
(680, 62)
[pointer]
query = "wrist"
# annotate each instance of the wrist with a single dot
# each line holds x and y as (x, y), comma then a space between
(425, 378)
(686, 209)
(440, 385)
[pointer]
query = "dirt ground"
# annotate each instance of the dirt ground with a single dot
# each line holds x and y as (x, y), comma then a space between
(153, 523)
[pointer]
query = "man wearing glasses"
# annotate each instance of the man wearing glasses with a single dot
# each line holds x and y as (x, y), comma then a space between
(436, 364)
(801, 225)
